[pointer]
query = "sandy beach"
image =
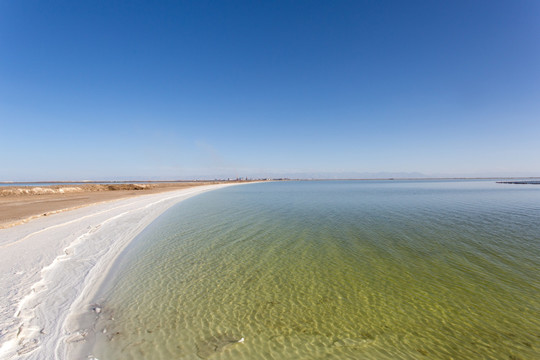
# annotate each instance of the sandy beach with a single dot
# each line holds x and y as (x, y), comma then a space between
(51, 264)
(20, 204)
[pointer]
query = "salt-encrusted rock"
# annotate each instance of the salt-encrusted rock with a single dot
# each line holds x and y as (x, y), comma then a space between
(77, 337)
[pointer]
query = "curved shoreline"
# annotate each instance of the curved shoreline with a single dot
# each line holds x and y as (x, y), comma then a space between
(51, 265)
(20, 204)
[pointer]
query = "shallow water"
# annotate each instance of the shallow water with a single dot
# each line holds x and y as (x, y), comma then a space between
(333, 270)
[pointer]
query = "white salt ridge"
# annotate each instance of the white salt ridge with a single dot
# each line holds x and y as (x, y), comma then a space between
(51, 266)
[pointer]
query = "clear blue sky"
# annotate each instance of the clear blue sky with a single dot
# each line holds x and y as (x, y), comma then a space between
(135, 89)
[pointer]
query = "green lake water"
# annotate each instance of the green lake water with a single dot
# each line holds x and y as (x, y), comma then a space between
(332, 270)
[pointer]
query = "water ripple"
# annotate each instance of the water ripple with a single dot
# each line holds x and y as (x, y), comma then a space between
(333, 270)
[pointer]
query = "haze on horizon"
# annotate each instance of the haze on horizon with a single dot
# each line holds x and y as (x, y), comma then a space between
(182, 90)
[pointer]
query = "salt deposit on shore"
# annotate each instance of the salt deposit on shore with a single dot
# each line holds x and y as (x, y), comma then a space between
(50, 265)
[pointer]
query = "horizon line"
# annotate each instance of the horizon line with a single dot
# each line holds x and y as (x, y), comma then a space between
(247, 178)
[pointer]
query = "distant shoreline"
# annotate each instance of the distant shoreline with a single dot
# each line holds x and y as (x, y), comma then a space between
(417, 179)
(107, 182)
(530, 182)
